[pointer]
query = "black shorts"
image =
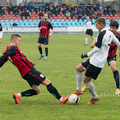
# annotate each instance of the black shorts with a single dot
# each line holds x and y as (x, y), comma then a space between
(110, 59)
(91, 70)
(43, 40)
(89, 32)
(34, 77)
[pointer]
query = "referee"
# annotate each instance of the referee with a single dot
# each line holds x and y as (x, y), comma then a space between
(89, 30)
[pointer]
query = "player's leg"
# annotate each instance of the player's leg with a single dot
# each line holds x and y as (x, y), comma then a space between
(46, 52)
(91, 34)
(86, 39)
(54, 91)
(116, 75)
(46, 48)
(40, 48)
(92, 37)
(0, 40)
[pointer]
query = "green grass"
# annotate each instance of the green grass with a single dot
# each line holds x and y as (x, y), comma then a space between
(64, 56)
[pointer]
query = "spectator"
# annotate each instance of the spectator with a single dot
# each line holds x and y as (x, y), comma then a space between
(89, 6)
(4, 7)
(83, 11)
(97, 6)
(27, 14)
(64, 10)
(20, 8)
(67, 14)
(64, 4)
(27, 6)
(2, 11)
(49, 14)
(0, 7)
(22, 14)
(87, 12)
(76, 10)
(70, 10)
(31, 7)
(79, 16)
(47, 9)
(92, 11)
(47, 4)
(100, 7)
(84, 17)
(10, 9)
(108, 6)
(79, 11)
(72, 14)
(98, 14)
(15, 11)
(83, 6)
(109, 11)
(94, 7)
(14, 24)
(90, 15)
(105, 12)
(56, 12)
(40, 14)
(113, 11)
(52, 10)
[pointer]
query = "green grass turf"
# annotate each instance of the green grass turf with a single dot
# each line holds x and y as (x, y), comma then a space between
(64, 56)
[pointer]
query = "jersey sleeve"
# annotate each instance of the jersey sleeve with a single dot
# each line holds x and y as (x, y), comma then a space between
(50, 25)
(100, 39)
(10, 50)
(39, 25)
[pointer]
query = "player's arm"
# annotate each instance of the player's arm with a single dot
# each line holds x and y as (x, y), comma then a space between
(92, 45)
(50, 25)
(96, 48)
(3, 59)
(39, 26)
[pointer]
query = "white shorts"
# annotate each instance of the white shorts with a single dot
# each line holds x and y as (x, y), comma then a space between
(1, 34)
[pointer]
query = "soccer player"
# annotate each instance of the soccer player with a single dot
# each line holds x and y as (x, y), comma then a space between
(27, 71)
(1, 32)
(44, 27)
(94, 65)
(89, 30)
(111, 59)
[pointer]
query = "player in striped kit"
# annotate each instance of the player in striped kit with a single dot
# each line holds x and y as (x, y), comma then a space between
(1, 32)
(27, 71)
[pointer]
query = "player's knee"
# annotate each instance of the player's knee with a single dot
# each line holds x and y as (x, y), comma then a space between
(113, 69)
(39, 45)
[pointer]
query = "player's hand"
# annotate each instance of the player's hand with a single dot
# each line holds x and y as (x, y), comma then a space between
(50, 34)
(92, 45)
(84, 55)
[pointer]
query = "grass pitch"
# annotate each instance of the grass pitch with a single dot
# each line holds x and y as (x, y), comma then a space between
(64, 56)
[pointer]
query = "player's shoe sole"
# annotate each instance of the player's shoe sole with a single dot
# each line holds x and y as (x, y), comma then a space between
(117, 91)
(84, 88)
(41, 56)
(92, 101)
(65, 99)
(78, 92)
(17, 98)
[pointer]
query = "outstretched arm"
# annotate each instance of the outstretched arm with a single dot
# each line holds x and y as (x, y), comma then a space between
(3, 59)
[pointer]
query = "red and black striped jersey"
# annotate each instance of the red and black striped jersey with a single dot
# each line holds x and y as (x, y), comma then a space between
(113, 47)
(45, 25)
(19, 60)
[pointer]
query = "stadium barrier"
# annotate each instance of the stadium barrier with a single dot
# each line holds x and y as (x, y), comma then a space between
(57, 30)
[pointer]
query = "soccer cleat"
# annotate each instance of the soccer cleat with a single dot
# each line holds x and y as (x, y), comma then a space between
(117, 91)
(85, 44)
(41, 56)
(46, 58)
(17, 98)
(65, 99)
(78, 92)
(84, 88)
(92, 101)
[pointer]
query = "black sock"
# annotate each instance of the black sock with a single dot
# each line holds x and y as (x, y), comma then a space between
(53, 91)
(46, 51)
(40, 50)
(116, 77)
(28, 93)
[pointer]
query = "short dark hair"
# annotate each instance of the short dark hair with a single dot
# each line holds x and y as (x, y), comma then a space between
(114, 23)
(13, 36)
(101, 20)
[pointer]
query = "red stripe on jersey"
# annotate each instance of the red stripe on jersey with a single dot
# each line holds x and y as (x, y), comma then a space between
(35, 76)
(20, 61)
(113, 47)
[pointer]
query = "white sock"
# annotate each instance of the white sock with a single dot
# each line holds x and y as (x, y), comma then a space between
(91, 89)
(86, 40)
(19, 94)
(79, 77)
(61, 99)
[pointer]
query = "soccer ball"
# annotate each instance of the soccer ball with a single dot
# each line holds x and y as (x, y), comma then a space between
(74, 99)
